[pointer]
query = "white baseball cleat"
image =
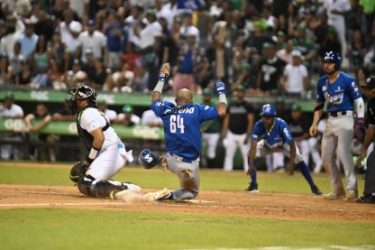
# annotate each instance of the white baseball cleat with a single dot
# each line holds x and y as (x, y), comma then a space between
(158, 195)
(333, 196)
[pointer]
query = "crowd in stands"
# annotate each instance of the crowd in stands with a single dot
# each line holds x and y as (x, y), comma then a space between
(269, 47)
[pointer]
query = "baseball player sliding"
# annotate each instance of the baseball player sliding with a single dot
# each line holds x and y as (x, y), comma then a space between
(182, 133)
(271, 134)
(107, 153)
(340, 92)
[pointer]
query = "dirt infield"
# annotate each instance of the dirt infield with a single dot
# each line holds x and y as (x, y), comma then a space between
(261, 205)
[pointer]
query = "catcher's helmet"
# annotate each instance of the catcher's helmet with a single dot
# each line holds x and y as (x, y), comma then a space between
(148, 159)
(268, 110)
(78, 171)
(82, 92)
(333, 57)
(370, 82)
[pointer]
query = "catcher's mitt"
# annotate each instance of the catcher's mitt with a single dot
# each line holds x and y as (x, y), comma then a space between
(360, 129)
(78, 170)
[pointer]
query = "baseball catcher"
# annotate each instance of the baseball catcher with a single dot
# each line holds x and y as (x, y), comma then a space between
(107, 153)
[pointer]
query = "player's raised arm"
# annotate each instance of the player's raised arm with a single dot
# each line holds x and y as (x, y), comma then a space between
(222, 106)
(163, 75)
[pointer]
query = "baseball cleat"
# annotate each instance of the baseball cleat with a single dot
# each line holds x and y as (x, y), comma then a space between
(253, 188)
(315, 190)
(160, 195)
(351, 195)
(333, 196)
(369, 199)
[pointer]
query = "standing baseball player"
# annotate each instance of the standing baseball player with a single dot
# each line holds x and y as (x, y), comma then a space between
(182, 133)
(369, 190)
(340, 92)
(271, 134)
(107, 153)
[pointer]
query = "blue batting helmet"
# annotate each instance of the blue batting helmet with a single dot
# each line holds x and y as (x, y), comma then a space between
(268, 110)
(333, 57)
(148, 159)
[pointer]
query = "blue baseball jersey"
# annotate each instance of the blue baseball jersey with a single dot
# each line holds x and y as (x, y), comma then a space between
(340, 94)
(278, 135)
(182, 126)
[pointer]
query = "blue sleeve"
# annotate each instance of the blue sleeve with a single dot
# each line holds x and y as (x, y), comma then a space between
(258, 130)
(319, 91)
(207, 112)
(159, 106)
(285, 133)
(353, 90)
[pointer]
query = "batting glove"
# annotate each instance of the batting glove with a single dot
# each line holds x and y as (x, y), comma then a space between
(220, 88)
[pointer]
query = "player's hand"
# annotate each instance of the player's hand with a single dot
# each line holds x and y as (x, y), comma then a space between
(361, 157)
(313, 130)
(220, 88)
(165, 69)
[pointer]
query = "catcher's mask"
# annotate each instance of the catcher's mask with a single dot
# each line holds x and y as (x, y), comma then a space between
(82, 92)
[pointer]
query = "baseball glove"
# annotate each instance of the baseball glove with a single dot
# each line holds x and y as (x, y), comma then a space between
(78, 170)
(360, 129)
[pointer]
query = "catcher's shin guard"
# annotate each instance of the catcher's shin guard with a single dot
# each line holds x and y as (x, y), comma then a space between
(101, 189)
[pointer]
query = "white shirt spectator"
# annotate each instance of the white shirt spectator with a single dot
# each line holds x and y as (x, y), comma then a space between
(134, 118)
(71, 42)
(148, 34)
(295, 78)
(96, 42)
(15, 111)
(150, 119)
(110, 114)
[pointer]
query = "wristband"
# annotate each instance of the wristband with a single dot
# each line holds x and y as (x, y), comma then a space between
(92, 155)
(159, 86)
(223, 99)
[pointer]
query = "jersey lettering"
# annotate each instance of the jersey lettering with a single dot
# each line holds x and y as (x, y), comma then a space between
(176, 122)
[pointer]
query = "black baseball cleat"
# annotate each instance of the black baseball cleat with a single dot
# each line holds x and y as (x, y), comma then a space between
(369, 199)
(253, 188)
(315, 190)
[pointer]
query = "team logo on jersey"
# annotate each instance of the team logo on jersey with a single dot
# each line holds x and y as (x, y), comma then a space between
(286, 132)
(336, 99)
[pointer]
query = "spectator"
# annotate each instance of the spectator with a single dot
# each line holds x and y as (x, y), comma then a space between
(44, 151)
(237, 126)
(127, 118)
(110, 114)
(28, 40)
(150, 119)
(10, 110)
(93, 40)
(294, 81)
(114, 33)
(336, 11)
(24, 77)
(271, 68)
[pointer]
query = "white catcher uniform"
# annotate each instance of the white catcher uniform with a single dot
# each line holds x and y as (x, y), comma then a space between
(112, 156)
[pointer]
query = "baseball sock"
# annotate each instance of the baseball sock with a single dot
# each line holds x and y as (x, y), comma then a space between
(306, 173)
(253, 177)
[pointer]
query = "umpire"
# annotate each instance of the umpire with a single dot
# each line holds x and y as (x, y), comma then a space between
(369, 191)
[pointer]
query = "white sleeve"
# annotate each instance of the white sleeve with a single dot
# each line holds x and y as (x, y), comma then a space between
(91, 120)
(304, 71)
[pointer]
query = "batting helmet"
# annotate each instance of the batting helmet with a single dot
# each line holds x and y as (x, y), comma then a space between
(148, 159)
(333, 57)
(268, 110)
